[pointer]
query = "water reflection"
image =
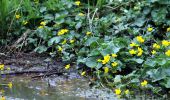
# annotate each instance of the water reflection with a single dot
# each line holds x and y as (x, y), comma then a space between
(53, 88)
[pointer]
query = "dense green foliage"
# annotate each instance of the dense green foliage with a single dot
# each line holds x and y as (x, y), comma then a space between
(122, 43)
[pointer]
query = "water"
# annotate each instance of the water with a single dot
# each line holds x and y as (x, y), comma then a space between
(53, 88)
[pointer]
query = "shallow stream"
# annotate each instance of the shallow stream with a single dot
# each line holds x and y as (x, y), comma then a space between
(53, 88)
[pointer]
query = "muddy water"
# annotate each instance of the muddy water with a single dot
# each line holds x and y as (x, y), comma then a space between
(53, 88)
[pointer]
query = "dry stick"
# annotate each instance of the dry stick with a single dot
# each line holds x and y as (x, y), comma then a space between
(32, 72)
(22, 38)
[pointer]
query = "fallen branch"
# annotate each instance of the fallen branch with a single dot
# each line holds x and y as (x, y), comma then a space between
(33, 72)
(21, 40)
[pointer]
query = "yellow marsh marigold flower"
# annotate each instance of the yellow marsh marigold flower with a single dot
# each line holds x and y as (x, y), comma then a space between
(2, 98)
(149, 29)
(67, 66)
(106, 59)
(140, 51)
(41, 27)
(72, 41)
(77, 3)
(10, 84)
(153, 52)
(60, 49)
(83, 73)
(114, 64)
(114, 55)
(132, 52)
(64, 41)
(81, 14)
(17, 16)
(140, 39)
(165, 43)
(43, 23)
(1, 92)
(8, 68)
(167, 53)
(2, 66)
(88, 33)
(106, 69)
(62, 31)
(144, 83)
(133, 44)
(168, 29)
(126, 91)
(117, 91)
(156, 46)
(25, 22)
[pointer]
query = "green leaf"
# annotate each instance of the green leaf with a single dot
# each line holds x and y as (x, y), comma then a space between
(91, 40)
(78, 25)
(140, 21)
(54, 40)
(117, 79)
(138, 60)
(99, 65)
(156, 74)
(91, 62)
(40, 49)
(167, 84)
(43, 9)
(150, 63)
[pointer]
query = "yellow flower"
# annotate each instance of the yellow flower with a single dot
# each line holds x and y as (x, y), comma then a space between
(77, 3)
(140, 51)
(67, 66)
(126, 91)
(60, 49)
(114, 64)
(106, 59)
(72, 41)
(17, 16)
(114, 55)
(1, 92)
(2, 98)
(43, 23)
(83, 73)
(8, 68)
(144, 83)
(81, 14)
(140, 39)
(167, 53)
(106, 69)
(2, 66)
(168, 29)
(62, 31)
(88, 33)
(41, 27)
(117, 91)
(132, 52)
(64, 41)
(133, 44)
(25, 22)
(165, 43)
(153, 52)
(156, 46)
(150, 29)
(10, 84)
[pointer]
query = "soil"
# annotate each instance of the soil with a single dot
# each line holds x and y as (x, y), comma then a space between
(31, 63)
